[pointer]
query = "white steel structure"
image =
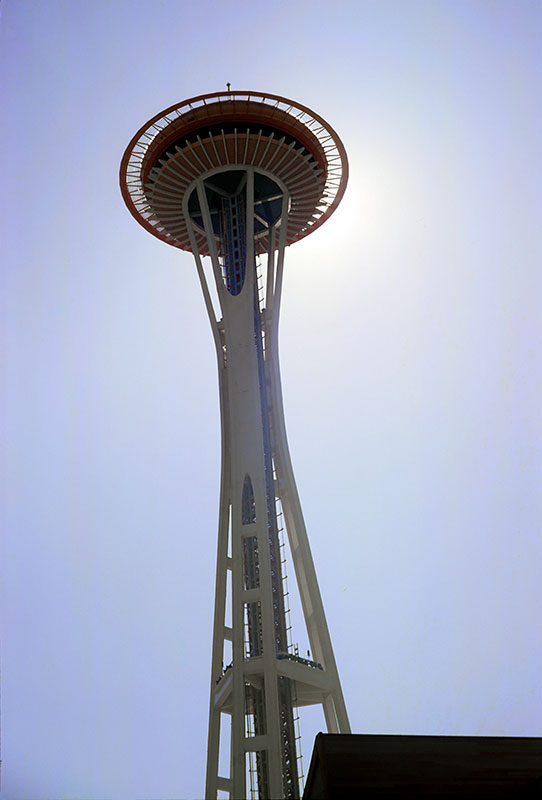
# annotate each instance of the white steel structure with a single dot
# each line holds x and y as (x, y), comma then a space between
(237, 176)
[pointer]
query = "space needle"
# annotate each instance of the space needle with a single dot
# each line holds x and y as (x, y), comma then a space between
(235, 177)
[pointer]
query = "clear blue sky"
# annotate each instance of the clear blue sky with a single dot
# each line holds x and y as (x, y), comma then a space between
(411, 363)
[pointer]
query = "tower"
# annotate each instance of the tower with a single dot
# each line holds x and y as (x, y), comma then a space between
(236, 177)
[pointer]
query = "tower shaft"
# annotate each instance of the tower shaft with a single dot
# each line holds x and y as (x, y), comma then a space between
(265, 681)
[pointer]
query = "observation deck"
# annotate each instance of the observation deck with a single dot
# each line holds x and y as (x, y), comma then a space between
(223, 131)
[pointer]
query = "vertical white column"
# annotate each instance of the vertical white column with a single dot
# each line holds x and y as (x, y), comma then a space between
(333, 704)
(213, 743)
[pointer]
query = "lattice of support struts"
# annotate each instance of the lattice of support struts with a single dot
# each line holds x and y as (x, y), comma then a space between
(260, 291)
(283, 561)
(297, 724)
(233, 222)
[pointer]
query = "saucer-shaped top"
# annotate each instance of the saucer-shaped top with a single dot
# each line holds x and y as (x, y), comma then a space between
(231, 131)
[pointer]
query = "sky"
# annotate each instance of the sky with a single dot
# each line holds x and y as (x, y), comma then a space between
(411, 369)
